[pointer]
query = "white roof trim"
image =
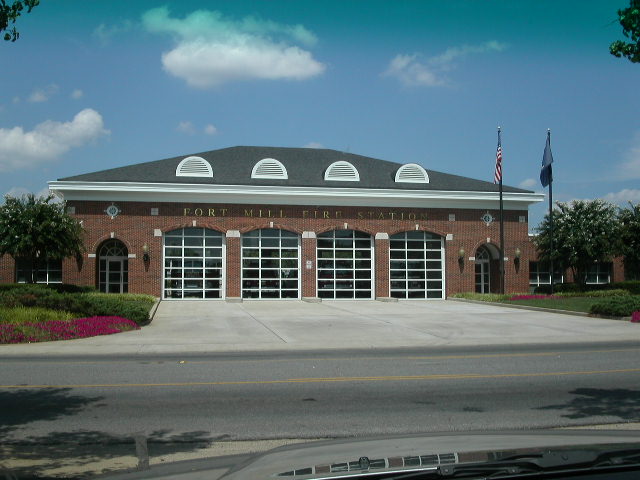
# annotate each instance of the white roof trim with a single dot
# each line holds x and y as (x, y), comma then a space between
(269, 168)
(342, 171)
(412, 173)
(268, 194)
(194, 167)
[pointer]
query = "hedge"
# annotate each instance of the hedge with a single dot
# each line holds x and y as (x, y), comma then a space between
(617, 306)
(135, 307)
(632, 286)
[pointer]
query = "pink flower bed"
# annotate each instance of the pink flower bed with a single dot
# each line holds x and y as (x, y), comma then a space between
(531, 297)
(64, 330)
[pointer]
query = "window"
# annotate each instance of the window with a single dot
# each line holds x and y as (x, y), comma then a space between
(412, 173)
(539, 275)
(269, 168)
(342, 172)
(194, 167)
(49, 272)
(599, 273)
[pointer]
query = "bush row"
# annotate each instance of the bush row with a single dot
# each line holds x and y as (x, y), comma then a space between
(614, 292)
(632, 286)
(617, 306)
(135, 307)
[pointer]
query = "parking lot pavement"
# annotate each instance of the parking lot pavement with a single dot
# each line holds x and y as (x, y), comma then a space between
(218, 326)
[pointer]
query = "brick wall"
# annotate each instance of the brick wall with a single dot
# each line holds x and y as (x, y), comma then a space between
(135, 226)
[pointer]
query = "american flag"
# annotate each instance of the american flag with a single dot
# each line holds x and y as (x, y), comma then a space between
(497, 176)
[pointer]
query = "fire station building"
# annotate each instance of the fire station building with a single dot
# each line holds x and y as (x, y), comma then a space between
(290, 223)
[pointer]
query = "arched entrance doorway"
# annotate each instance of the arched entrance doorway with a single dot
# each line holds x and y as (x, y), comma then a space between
(483, 270)
(113, 267)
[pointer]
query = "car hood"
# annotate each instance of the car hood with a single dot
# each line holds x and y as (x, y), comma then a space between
(347, 457)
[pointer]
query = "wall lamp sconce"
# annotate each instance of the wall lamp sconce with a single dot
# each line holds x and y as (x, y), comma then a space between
(461, 254)
(517, 254)
(145, 252)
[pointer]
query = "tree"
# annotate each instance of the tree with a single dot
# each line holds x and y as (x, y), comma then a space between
(630, 240)
(584, 232)
(35, 229)
(9, 13)
(630, 20)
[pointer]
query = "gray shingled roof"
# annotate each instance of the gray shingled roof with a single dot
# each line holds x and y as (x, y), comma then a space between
(305, 167)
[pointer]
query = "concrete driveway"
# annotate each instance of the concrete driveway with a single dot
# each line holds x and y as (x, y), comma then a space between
(215, 326)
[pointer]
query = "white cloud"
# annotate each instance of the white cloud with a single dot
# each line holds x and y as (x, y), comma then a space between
(412, 73)
(186, 127)
(430, 72)
(43, 94)
(48, 140)
(20, 191)
(630, 168)
(211, 50)
(623, 196)
(451, 53)
(528, 183)
(77, 93)
(210, 129)
(313, 145)
(104, 33)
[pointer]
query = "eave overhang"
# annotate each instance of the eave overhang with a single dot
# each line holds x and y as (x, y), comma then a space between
(278, 195)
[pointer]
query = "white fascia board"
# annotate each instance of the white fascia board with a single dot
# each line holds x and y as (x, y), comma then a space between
(277, 195)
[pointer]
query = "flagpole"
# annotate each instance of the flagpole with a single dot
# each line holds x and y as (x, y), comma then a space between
(501, 228)
(550, 216)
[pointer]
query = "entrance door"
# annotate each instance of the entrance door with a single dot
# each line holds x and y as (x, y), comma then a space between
(113, 271)
(483, 271)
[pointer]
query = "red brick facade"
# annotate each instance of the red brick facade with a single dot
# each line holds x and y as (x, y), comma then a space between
(462, 229)
(135, 226)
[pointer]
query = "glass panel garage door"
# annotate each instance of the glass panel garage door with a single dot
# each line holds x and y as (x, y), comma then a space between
(270, 264)
(416, 267)
(193, 263)
(344, 264)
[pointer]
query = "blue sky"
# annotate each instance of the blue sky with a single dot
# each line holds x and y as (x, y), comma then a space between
(95, 85)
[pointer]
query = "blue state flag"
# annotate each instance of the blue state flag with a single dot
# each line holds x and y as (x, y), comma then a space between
(546, 176)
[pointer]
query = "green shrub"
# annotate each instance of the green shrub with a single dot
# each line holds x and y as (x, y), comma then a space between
(31, 314)
(70, 288)
(617, 306)
(134, 307)
(483, 297)
(595, 293)
(632, 286)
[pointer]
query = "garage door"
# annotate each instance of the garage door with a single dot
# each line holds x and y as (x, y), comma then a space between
(193, 263)
(270, 264)
(416, 265)
(344, 264)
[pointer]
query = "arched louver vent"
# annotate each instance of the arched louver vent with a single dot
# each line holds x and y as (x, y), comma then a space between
(342, 171)
(412, 173)
(194, 167)
(269, 168)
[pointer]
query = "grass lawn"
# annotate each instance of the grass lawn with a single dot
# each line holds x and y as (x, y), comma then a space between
(574, 304)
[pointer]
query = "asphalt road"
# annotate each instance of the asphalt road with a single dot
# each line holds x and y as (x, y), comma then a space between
(328, 394)
(183, 403)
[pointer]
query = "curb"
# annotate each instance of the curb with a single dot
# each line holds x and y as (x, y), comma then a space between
(154, 309)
